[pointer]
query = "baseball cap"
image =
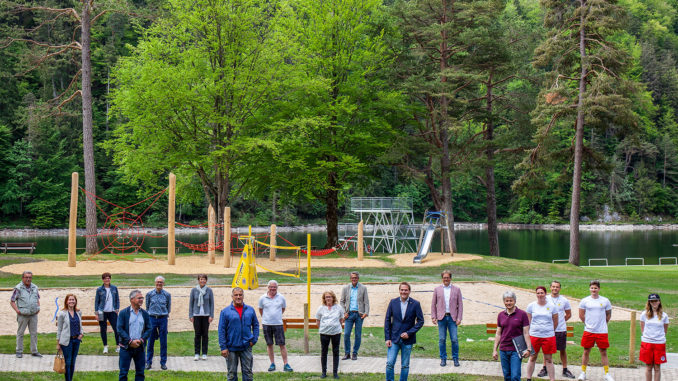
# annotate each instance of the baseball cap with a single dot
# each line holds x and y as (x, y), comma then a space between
(653, 297)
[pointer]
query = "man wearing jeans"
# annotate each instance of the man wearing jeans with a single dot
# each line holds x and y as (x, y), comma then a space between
(134, 330)
(159, 306)
(355, 302)
(447, 308)
(238, 332)
(404, 318)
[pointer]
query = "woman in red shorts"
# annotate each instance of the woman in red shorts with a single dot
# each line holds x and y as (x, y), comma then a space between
(653, 323)
(543, 317)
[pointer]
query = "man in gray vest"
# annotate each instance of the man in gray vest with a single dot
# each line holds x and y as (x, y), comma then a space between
(356, 305)
(26, 303)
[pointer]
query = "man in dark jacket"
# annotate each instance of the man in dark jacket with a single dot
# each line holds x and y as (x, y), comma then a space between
(106, 307)
(134, 330)
(404, 318)
(238, 332)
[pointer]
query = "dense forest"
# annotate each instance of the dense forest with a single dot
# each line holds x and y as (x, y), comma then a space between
(284, 109)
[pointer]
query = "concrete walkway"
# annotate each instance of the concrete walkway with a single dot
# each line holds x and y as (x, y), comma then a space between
(9, 363)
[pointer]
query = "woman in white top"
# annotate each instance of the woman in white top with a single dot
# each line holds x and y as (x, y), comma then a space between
(330, 317)
(543, 317)
(654, 323)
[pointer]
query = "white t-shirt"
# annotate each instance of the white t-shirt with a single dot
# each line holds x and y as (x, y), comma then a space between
(542, 319)
(446, 294)
(272, 307)
(596, 321)
(561, 304)
(108, 307)
(654, 328)
(329, 319)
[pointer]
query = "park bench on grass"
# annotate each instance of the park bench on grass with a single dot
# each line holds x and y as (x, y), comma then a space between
(91, 321)
(492, 330)
(176, 249)
(18, 246)
(296, 323)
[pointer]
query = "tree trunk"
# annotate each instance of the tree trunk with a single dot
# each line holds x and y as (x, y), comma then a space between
(87, 131)
(578, 144)
(331, 215)
(491, 197)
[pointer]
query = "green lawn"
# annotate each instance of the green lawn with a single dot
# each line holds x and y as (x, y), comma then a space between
(479, 348)
(205, 376)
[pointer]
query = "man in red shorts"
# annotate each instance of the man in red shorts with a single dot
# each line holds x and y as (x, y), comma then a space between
(595, 311)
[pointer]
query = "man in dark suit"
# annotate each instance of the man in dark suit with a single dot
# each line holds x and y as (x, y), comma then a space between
(134, 330)
(404, 318)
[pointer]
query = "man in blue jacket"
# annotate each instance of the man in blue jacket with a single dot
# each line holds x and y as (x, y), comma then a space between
(134, 330)
(106, 307)
(404, 318)
(238, 332)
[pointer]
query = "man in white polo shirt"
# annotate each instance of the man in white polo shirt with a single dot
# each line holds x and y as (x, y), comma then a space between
(595, 311)
(564, 313)
(271, 308)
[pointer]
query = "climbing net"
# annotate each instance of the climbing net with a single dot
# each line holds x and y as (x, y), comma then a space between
(123, 232)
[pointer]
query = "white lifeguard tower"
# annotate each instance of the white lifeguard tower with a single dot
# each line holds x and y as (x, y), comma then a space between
(388, 223)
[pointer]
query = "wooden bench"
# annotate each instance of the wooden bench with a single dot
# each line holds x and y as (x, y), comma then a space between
(91, 321)
(176, 249)
(492, 330)
(296, 323)
(18, 246)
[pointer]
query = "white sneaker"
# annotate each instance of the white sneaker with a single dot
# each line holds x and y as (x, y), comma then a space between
(196, 358)
(117, 349)
(105, 348)
(204, 357)
(582, 376)
(608, 377)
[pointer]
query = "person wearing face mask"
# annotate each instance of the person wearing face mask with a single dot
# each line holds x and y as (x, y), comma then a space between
(201, 314)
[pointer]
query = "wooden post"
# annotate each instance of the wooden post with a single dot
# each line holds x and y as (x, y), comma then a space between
(632, 339)
(306, 328)
(211, 226)
(73, 220)
(361, 244)
(274, 241)
(308, 273)
(227, 237)
(171, 212)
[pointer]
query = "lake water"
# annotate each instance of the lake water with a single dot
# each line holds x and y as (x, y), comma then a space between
(540, 245)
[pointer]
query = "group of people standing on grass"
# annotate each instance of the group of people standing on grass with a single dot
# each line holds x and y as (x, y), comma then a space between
(542, 327)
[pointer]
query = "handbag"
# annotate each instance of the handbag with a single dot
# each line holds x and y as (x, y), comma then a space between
(59, 362)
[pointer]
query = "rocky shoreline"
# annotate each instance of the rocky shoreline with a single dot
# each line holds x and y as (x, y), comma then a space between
(319, 228)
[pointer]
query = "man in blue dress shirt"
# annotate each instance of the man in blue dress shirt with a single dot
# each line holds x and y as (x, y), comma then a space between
(134, 330)
(158, 305)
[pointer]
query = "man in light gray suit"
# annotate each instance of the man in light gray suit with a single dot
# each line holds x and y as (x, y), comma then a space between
(356, 303)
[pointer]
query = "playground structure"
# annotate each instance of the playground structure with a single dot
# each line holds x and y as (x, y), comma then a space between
(432, 221)
(393, 229)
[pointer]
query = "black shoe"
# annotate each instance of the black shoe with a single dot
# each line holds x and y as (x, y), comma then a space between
(346, 357)
(456, 362)
(336, 375)
(163, 367)
(443, 362)
(354, 357)
(543, 372)
(36, 354)
(567, 373)
(323, 375)
(148, 366)
(19, 355)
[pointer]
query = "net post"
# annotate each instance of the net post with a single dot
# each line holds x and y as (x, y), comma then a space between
(632, 338)
(73, 219)
(170, 219)
(227, 237)
(361, 245)
(308, 274)
(211, 243)
(274, 242)
(306, 312)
